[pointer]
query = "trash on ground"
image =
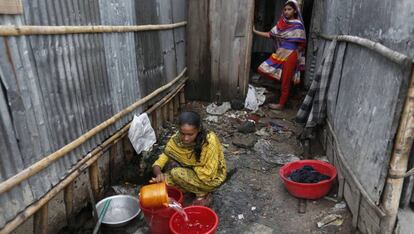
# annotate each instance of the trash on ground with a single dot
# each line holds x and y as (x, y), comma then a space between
(141, 134)
(307, 174)
(237, 104)
(262, 132)
(255, 97)
(240, 216)
(247, 127)
(276, 127)
(213, 109)
(341, 206)
(212, 119)
(267, 152)
(126, 189)
(253, 208)
(331, 220)
(244, 141)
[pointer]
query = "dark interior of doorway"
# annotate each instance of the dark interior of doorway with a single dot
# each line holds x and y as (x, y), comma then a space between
(266, 15)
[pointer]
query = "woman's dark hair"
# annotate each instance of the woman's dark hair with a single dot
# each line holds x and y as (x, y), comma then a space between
(193, 118)
(293, 5)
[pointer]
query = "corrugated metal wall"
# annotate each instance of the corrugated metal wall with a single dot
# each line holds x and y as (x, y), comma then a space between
(366, 89)
(55, 88)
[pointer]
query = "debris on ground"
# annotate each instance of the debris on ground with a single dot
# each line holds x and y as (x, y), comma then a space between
(331, 220)
(214, 109)
(268, 151)
(126, 189)
(255, 98)
(244, 141)
(237, 104)
(212, 118)
(247, 127)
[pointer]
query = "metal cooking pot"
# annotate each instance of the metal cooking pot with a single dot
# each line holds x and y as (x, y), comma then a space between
(121, 210)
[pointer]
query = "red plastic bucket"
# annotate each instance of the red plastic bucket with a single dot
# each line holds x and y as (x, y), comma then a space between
(157, 219)
(201, 220)
(308, 191)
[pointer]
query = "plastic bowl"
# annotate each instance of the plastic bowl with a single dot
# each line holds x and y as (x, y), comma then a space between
(202, 220)
(304, 190)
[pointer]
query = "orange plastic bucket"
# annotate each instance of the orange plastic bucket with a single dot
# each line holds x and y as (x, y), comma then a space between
(154, 195)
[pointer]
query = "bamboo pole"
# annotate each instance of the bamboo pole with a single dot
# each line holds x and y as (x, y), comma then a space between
(393, 55)
(22, 30)
(46, 161)
(399, 161)
(40, 221)
(75, 171)
(94, 178)
(68, 199)
(81, 166)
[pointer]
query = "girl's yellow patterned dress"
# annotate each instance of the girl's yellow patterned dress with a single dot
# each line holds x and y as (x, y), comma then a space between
(198, 177)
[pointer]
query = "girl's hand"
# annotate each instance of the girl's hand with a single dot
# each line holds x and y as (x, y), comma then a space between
(158, 178)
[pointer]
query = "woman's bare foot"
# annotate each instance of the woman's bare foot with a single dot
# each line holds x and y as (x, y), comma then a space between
(203, 201)
(275, 106)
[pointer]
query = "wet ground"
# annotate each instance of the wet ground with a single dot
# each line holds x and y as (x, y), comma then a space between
(253, 199)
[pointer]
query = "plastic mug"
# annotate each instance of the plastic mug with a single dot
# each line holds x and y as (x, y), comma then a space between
(154, 195)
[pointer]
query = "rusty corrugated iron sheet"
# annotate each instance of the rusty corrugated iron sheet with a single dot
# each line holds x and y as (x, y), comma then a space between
(55, 88)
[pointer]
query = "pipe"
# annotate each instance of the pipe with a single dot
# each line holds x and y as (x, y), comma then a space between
(22, 30)
(46, 161)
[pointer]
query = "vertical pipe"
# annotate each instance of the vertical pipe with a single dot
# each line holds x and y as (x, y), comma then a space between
(40, 220)
(399, 161)
(68, 199)
(94, 178)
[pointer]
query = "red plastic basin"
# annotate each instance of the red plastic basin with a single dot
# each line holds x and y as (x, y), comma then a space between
(308, 191)
(201, 220)
(157, 219)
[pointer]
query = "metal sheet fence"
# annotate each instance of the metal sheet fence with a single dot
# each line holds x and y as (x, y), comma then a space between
(56, 87)
(366, 90)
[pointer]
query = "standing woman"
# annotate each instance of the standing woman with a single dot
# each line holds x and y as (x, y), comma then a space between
(192, 160)
(288, 61)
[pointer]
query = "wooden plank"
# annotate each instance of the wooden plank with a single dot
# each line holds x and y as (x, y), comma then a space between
(165, 113)
(170, 111)
(176, 104)
(244, 80)
(198, 47)
(215, 44)
(40, 220)
(11, 7)
(68, 199)
(94, 178)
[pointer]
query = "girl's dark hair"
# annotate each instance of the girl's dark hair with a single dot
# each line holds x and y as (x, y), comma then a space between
(193, 118)
(291, 4)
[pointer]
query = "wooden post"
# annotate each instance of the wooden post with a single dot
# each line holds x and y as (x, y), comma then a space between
(68, 198)
(182, 100)
(165, 112)
(112, 171)
(176, 104)
(94, 177)
(159, 117)
(170, 111)
(40, 220)
(154, 121)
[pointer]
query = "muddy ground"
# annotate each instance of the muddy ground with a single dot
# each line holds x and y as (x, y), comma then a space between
(253, 199)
